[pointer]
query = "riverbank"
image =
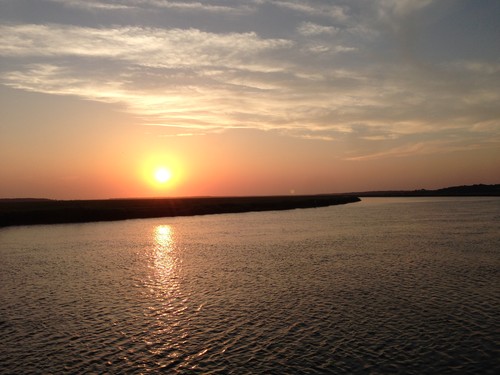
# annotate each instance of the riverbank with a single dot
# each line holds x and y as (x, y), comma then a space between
(478, 190)
(32, 212)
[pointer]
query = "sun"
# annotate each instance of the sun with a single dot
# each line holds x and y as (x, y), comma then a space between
(162, 175)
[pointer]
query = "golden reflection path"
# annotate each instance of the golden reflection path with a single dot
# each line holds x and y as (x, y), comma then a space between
(164, 257)
(163, 338)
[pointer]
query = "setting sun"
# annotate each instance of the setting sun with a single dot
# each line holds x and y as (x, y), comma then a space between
(162, 175)
(161, 172)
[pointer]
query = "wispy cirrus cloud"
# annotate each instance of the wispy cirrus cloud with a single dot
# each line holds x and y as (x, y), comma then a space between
(428, 147)
(223, 7)
(93, 4)
(147, 46)
(322, 8)
(309, 28)
(399, 8)
(148, 4)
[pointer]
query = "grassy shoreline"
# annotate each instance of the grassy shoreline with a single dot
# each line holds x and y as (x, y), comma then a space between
(33, 212)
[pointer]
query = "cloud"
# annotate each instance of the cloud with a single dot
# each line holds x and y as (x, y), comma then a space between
(193, 6)
(333, 11)
(147, 46)
(148, 4)
(399, 8)
(411, 148)
(309, 28)
(330, 77)
(92, 4)
(172, 77)
(472, 66)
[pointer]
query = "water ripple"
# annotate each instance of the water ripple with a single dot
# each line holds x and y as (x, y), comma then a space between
(291, 292)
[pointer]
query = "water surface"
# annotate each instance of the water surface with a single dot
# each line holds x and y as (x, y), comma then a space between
(387, 285)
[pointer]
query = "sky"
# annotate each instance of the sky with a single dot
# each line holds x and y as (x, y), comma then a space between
(254, 97)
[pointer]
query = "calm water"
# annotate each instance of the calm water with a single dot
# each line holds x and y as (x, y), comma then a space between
(382, 286)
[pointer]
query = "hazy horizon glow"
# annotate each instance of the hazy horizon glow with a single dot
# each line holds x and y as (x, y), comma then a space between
(247, 97)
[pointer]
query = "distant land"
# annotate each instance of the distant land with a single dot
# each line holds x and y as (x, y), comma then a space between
(479, 190)
(28, 211)
(31, 211)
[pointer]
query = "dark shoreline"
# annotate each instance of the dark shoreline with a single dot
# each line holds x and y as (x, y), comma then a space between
(478, 190)
(33, 212)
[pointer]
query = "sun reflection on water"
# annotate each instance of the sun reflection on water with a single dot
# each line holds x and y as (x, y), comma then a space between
(163, 236)
(165, 304)
(164, 257)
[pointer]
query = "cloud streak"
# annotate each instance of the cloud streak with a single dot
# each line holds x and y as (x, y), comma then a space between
(195, 6)
(309, 28)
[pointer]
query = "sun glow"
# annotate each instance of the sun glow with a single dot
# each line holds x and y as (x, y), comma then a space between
(162, 175)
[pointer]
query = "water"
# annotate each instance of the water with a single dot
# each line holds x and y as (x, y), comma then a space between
(399, 285)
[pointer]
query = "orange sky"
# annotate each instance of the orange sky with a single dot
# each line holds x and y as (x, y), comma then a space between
(322, 96)
(105, 154)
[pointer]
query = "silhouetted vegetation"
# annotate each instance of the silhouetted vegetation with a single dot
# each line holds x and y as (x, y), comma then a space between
(29, 212)
(454, 191)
